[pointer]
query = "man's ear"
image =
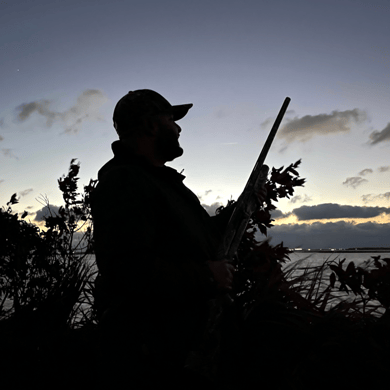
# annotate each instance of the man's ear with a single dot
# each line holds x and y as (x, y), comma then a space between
(150, 125)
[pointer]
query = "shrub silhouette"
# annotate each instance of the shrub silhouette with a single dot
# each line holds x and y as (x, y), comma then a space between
(288, 323)
(41, 271)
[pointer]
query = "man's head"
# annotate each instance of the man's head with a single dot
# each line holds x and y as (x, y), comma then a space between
(132, 108)
(145, 119)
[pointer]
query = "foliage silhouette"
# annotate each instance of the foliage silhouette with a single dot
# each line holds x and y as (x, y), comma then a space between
(47, 271)
(290, 319)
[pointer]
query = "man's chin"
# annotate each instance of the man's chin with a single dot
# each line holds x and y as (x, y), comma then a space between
(175, 154)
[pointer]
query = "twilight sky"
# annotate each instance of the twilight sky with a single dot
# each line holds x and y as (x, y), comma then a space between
(65, 64)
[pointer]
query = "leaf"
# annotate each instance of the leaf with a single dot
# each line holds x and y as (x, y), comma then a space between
(350, 268)
(297, 163)
(332, 279)
(263, 229)
(13, 200)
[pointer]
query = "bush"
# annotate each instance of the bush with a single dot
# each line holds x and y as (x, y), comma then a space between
(47, 273)
(288, 324)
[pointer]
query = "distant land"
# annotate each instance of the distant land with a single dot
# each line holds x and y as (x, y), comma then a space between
(345, 250)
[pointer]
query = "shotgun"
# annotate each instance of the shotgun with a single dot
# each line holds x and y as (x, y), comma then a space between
(247, 203)
(202, 360)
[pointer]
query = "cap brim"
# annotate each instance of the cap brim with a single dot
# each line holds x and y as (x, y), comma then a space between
(180, 111)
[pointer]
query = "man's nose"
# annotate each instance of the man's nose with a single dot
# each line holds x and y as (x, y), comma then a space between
(178, 128)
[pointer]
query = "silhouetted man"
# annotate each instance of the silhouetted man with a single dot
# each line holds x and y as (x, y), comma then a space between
(155, 246)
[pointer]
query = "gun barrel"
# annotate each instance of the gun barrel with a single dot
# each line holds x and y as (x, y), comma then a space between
(245, 205)
(268, 143)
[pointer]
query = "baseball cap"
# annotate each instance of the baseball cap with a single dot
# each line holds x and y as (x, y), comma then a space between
(144, 102)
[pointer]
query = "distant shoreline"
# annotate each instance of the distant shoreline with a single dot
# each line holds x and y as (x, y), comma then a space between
(342, 251)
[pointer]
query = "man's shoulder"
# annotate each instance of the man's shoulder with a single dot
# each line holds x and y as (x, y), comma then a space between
(124, 181)
(115, 172)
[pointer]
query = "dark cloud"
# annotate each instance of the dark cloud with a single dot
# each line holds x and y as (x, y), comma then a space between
(86, 109)
(41, 107)
(384, 169)
(365, 172)
(380, 136)
(1, 138)
(354, 181)
(277, 214)
(1, 180)
(45, 212)
(25, 192)
(370, 197)
(331, 235)
(8, 153)
(300, 199)
(333, 211)
(211, 209)
(303, 129)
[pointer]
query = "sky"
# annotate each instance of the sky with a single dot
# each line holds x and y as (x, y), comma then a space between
(65, 64)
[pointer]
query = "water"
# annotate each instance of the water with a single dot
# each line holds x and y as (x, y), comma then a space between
(317, 258)
(308, 259)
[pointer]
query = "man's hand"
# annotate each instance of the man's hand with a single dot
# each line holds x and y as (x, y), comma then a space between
(261, 195)
(223, 273)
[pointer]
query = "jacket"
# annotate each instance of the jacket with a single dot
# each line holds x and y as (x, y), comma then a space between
(152, 243)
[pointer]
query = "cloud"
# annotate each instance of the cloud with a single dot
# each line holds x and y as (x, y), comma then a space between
(384, 169)
(380, 136)
(300, 199)
(45, 212)
(365, 171)
(8, 153)
(277, 214)
(211, 209)
(303, 129)
(339, 234)
(266, 123)
(41, 107)
(201, 196)
(25, 192)
(334, 210)
(354, 181)
(86, 109)
(1, 138)
(370, 197)
(1, 180)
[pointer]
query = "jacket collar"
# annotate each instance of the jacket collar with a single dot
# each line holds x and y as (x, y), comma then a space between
(124, 156)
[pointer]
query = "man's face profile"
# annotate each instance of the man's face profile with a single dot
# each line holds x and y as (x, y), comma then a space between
(167, 138)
